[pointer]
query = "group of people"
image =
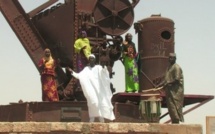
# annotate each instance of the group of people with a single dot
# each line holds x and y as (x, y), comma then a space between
(95, 81)
(173, 83)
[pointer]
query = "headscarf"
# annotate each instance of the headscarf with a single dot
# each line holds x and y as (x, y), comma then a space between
(47, 58)
(84, 32)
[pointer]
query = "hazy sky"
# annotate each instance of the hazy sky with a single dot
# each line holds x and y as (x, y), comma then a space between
(194, 44)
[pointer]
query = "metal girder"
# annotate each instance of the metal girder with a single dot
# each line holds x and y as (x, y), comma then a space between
(26, 32)
(23, 28)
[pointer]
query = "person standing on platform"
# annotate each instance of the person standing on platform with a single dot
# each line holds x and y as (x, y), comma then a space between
(129, 55)
(173, 85)
(83, 50)
(47, 67)
(95, 83)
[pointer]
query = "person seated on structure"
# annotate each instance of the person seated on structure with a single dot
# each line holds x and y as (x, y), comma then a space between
(83, 50)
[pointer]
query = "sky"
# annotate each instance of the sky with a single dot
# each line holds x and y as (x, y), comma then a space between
(194, 45)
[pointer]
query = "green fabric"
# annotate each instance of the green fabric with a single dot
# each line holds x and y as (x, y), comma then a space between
(131, 74)
(175, 92)
(80, 43)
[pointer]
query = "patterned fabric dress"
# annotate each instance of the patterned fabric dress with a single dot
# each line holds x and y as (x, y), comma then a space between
(49, 85)
(131, 68)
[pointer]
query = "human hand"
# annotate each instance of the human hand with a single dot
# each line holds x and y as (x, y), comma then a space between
(45, 61)
(69, 69)
(84, 47)
(168, 83)
(158, 86)
(136, 55)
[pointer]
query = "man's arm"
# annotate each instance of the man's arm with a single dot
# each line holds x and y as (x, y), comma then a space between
(73, 73)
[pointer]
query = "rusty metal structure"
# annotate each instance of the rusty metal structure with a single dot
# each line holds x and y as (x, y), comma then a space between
(155, 42)
(56, 26)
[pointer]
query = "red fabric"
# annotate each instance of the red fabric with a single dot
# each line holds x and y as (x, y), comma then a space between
(49, 85)
(49, 88)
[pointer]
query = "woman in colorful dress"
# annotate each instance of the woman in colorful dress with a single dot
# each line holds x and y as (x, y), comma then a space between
(130, 64)
(83, 50)
(47, 71)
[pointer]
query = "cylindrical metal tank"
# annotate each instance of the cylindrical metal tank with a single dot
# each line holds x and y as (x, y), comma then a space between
(155, 42)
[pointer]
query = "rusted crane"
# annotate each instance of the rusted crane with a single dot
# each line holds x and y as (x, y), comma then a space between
(56, 26)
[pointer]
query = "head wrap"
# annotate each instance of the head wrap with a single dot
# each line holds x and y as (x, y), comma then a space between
(84, 32)
(47, 50)
(128, 34)
(92, 55)
(50, 56)
(172, 54)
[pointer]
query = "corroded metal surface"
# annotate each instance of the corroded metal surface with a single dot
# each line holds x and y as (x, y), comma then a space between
(114, 17)
(105, 21)
(62, 112)
(156, 41)
(57, 27)
(126, 109)
(189, 99)
(23, 28)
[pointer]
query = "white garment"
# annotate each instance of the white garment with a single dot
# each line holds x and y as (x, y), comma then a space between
(95, 83)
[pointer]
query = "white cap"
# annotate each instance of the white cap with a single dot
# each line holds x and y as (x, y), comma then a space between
(92, 55)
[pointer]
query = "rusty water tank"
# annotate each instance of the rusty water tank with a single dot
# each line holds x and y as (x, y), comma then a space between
(155, 42)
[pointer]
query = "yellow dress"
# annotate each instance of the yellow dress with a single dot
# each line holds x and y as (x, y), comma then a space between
(80, 43)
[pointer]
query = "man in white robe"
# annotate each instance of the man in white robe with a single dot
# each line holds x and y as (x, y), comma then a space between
(95, 83)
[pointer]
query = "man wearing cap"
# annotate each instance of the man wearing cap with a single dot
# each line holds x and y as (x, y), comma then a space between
(174, 89)
(95, 83)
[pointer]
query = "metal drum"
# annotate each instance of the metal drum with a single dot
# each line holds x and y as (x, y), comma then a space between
(150, 107)
(155, 42)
